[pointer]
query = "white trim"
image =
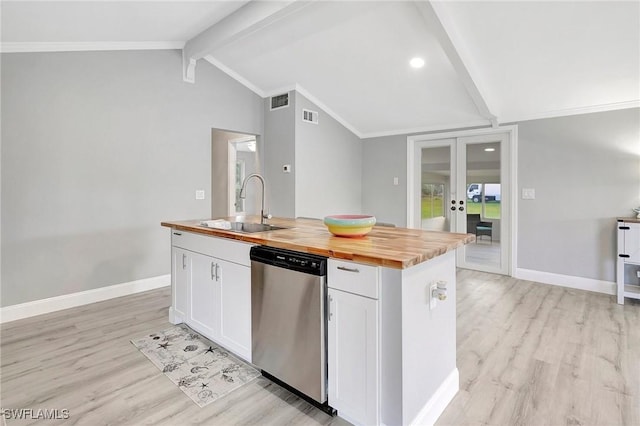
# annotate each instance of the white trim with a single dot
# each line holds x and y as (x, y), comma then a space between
(573, 111)
(512, 131)
(570, 281)
(66, 301)
(231, 73)
(327, 110)
(175, 317)
(443, 27)
(425, 129)
(514, 200)
(436, 405)
(17, 47)
(279, 91)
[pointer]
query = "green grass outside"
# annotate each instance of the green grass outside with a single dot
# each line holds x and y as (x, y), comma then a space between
(432, 207)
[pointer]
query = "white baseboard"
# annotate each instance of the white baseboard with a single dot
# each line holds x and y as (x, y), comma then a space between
(580, 283)
(439, 401)
(52, 304)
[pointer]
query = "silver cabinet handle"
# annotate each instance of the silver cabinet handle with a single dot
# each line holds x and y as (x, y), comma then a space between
(217, 272)
(344, 268)
(184, 261)
(213, 268)
(330, 313)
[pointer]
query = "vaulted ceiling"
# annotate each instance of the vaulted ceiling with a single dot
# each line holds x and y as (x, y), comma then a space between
(485, 62)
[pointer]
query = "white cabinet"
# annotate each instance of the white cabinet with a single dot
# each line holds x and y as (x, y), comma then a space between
(204, 313)
(353, 342)
(353, 357)
(211, 289)
(180, 282)
(235, 307)
(628, 261)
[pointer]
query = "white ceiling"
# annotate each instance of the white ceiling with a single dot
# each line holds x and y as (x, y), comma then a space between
(512, 60)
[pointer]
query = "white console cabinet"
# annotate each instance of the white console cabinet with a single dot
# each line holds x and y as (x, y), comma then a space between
(211, 289)
(628, 262)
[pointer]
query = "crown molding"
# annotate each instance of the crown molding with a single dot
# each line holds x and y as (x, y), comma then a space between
(571, 111)
(296, 87)
(240, 79)
(328, 110)
(26, 47)
(429, 129)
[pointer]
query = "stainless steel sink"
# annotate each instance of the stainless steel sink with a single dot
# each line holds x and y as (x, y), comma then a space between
(248, 227)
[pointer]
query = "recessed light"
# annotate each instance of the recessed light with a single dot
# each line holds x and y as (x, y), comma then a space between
(489, 149)
(416, 62)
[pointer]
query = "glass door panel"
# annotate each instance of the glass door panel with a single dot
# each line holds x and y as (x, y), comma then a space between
(481, 184)
(436, 184)
(483, 198)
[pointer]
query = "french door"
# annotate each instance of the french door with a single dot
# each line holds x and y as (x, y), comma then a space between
(463, 184)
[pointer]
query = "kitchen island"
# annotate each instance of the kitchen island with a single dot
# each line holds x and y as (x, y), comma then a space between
(391, 303)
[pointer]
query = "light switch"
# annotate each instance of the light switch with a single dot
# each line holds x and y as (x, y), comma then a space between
(199, 194)
(395, 180)
(528, 193)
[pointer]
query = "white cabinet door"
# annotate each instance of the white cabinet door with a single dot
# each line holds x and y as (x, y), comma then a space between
(204, 312)
(353, 358)
(632, 242)
(235, 308)
(180, 281)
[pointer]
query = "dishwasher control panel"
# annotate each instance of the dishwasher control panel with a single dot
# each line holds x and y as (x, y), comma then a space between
(289, 259)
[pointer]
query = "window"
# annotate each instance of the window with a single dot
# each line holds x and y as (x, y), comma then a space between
(432, 200)
(484, 198)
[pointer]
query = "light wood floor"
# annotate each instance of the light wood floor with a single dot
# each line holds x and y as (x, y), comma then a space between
(528, 354)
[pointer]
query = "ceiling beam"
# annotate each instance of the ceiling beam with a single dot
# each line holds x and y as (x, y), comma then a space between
(250, 18)
(436, 21)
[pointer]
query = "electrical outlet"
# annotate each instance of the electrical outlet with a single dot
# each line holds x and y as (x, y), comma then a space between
(638, 273)
(199, 194)
(286, 168)
(433, 302)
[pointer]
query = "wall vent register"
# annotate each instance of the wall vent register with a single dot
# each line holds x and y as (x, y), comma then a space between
(279, 101)
(310, 116)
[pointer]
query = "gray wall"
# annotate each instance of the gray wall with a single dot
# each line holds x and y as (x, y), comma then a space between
(279, 148)
(325, 159)
(586, 171)
(383, 159)
(97, 149)
(328, 164)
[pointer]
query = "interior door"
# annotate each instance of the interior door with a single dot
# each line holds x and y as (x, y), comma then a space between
(461, 185)
(484, 189)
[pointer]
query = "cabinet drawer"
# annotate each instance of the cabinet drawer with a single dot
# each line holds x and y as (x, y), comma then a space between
(221, 248)
(353, 277)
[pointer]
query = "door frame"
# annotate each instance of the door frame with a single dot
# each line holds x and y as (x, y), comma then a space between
(512, 175)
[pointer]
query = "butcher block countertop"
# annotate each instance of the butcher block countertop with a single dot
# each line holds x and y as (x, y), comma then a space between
(629, 219)
(398, 248)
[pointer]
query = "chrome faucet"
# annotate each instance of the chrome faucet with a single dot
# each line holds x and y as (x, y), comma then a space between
(243, 195)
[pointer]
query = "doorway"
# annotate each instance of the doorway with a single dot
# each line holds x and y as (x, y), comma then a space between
(462, 182)
(233, 157)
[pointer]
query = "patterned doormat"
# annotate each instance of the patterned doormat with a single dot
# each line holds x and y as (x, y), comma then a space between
(200, 368)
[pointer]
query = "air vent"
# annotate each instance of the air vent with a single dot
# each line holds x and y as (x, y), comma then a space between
(310, 116)
(279, 101)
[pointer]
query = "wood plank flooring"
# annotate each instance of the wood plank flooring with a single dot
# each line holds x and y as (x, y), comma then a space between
(528, 354)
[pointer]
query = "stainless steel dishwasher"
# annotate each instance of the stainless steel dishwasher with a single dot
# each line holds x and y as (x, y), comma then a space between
(288, 320)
